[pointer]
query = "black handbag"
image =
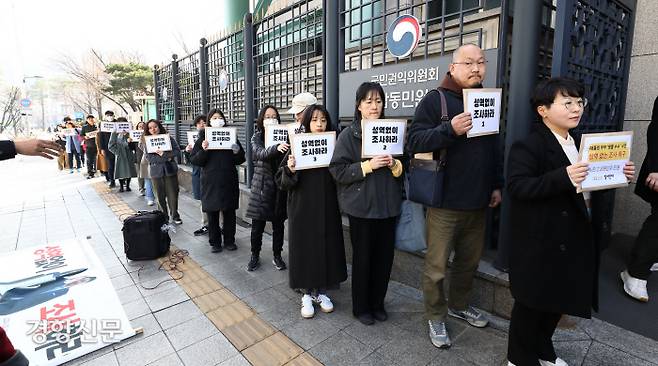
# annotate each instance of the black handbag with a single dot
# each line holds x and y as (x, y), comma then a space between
(426, 176)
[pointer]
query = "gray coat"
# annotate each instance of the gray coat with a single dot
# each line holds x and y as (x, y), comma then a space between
(124, 166)
(375, 196)
(157, 162)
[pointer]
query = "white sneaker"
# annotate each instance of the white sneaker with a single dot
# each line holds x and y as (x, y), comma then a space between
(558, 362)
(150, 203)
(307, 307)
(635, 287)
(510, 363)
(654, 268)
(325, 303)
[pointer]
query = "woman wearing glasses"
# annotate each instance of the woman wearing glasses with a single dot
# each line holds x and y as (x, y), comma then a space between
(556, 232)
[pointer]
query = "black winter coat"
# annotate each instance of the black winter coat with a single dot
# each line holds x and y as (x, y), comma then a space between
(316, 251)
(266, 202)
(375, 196)
(650, 164)
(219, 176)
(554, 256)
(474, 165)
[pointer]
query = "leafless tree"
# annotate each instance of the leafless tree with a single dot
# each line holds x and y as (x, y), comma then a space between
(11, 109)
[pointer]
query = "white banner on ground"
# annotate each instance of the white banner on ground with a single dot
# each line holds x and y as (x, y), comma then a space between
(155, 142)
(313, 150)
(57, 302)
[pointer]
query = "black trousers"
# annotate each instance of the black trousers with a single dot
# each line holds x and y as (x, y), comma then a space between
(227, 231)
(257, 229)
(530, 333)
(372, 259)
(91, 160)
(77, 160)
(645, 250)
(109, 157)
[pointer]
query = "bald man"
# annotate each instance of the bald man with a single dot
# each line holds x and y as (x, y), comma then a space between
(472, 183)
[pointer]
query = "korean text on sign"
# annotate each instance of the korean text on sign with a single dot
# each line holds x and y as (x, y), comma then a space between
(275, 134)
(108, 126)
(484, 106)
(606, 154)
(123, 126)
(221, 138)
(313, 150)
(155, 142)
(382, 136)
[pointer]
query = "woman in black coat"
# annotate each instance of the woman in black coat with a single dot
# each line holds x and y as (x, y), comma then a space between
(555, 231)
(316, 250)
(644, 254)
(370, 193)
(219, 179)
(267, 202)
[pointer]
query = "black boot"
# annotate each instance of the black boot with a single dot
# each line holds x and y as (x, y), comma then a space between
(120, 185)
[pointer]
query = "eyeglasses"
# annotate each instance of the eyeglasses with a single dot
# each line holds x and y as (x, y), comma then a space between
(570, 105)
(470, 64)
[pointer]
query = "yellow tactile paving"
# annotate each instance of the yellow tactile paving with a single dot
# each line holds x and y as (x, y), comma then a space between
(275, 350)
(248, 332)
(257, 340)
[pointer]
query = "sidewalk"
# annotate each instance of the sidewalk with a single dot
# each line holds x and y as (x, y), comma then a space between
(185, 326)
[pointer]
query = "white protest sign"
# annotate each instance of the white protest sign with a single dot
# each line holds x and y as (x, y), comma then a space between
(275, 134)
(58, 302)
(69, 132)
(294, 128)
(136, 134)
(123, 126)
(192, 136)
(221, 138)
(313, 150)
(484, 105)
(606, 154)
(108, 126)
(382, 136)
(91, 134)
(155, 142)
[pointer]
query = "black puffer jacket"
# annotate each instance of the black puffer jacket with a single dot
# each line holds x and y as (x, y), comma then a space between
(267, 202)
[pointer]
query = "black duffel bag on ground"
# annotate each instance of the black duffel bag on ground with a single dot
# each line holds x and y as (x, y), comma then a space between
(426, 175)
(144, 237)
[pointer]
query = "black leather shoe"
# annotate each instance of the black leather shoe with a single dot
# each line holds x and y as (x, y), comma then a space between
(216, 249)
(231, 246)
(366, 319)
(254, 263)
(380, 315)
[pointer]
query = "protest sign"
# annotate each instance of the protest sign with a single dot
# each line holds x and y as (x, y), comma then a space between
(57, 302)
(135, 135)
(294, 128)
(382, 136)
(313, 150)
(606, 154)
(221, 138)
(155, 142)
(91, 134)
(69, 132)
(108, 126)
(192, 136)
(275, 134)
(123, 127)
(484, 105)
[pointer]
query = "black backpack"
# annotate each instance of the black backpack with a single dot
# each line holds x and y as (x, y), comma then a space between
(144, 237)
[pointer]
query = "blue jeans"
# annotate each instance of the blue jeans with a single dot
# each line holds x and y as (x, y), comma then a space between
(148, 187)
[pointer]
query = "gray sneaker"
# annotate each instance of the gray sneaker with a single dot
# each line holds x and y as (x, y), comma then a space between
(471, 315)
(439, 334)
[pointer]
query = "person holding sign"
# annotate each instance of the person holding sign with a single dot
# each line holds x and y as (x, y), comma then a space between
(644, 254)
(88, 133)
(316, 250)
(220, 187)
(143, 167)
(104, 138)
(124, 166)
(299, 104)
(163, 171)
(267, 202)
(73, 148)
(199, 125)
(556, 232)
(370, 193)
(472, 182)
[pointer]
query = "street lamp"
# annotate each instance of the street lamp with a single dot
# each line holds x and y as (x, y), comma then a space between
(43, 113)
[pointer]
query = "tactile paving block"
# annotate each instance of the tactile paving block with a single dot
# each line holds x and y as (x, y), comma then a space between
(275, 350)
(248, 332)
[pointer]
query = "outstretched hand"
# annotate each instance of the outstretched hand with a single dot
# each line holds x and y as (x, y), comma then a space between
(36, 147)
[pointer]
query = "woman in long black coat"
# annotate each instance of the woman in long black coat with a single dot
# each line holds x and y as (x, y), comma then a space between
(556, 233)
(316, 250)
(221, 191)
(267, 202)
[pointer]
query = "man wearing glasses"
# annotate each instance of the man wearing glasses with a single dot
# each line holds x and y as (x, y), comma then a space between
(472, 183)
